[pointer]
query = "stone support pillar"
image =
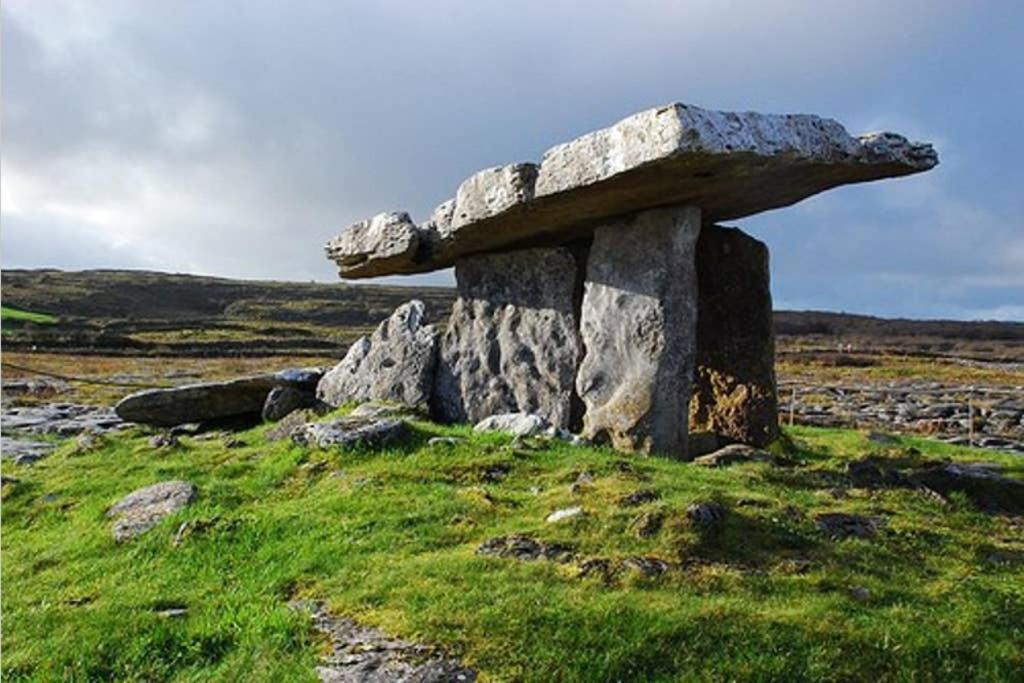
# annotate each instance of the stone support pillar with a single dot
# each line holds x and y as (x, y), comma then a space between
(638, 328)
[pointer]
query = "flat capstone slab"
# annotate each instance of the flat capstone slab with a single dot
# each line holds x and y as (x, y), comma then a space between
(728, 164)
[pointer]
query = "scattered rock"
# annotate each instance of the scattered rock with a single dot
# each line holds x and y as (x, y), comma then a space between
(347, 432)
(882, 438)
(24, 451)
(445, 441)
(61, 419)
(375, 410)
(517, 424)
(564, 514)
(525, 548)
(648, 524)
(164, 440)
(980, 482)
(650, 567)
(707, 515)
(733, 454)
(860, 594)
(839, 525)
(638, 324)
(395, 364)
(234, 443)
(638, 498)
(284, 400)
(511, 345)
(360, 654)
(289, 425)
(143, 509)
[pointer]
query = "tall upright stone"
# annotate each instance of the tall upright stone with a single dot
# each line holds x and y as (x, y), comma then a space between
(638, 327)
(511, 344)
(734, 394)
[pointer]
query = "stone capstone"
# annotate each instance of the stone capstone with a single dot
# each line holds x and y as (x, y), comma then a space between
(511, 344)
(210, 400)
(729, 164)
(637, 326)
(734, 394)
(143, 509)
(395, 364)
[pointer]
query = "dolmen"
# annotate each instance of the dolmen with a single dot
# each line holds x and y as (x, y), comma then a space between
(598, 289)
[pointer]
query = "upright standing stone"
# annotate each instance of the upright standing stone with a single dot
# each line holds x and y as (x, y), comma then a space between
(734, 382)
(638, 327)
(512, 343)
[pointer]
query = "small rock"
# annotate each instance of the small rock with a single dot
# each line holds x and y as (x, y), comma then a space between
(638, 498)
(564, 514)
(143, 509)
(518, 424)
(525, 548)
(710, 515)
(445, 441)
(881, 438)
(24, 451)
(164, 440)
(839, 525)
(648, 524)
(860, 594)
(173, 612)
(733, 454)
(346, 432)
(234, 443)
(648, 566)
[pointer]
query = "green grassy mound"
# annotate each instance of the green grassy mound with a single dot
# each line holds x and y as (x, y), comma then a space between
(15, 316)
(390, 538)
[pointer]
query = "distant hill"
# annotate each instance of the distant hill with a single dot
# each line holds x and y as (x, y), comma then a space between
(143, 312)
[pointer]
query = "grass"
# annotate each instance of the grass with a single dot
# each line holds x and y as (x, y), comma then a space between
(390, 538)
(9, 314)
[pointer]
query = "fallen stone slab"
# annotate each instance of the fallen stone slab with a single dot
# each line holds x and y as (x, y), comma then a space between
(361, 654)
(143, 509)
(511, 344)
(207, 401)
(348, 432)
(24, 451)
(729, 164)
(638, 324)
(395, 364)
(980, 482)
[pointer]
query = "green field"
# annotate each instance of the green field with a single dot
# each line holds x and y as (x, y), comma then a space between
(390, 538)
(17, 316)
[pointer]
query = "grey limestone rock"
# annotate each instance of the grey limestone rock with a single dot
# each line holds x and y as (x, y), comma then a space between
(143, 509)
(395, 364)
(348, 432)
(638, 326)
(511, 344)
(379, 245)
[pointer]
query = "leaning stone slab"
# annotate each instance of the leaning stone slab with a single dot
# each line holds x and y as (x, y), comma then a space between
(637, 325)
(210, 400)
(728, 164)
(734, 394)
(395, 364)
(511, 344)
(142, 510)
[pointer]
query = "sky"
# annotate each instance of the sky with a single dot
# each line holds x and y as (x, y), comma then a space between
(234, 138)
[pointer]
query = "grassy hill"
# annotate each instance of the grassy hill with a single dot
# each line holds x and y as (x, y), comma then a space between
(391, 538)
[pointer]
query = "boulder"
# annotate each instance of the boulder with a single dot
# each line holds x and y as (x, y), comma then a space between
(395, 364)
(729, 164)
(282, 401)
(143, 509)
(210, 400)
(511, 344)
(638, 324)
(349, 432)
(734, 379)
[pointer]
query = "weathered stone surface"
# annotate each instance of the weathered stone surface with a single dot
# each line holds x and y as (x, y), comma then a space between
(209, 400)
(347, 432)
(525, 548)
(395, 364)
(284, 400)
(728, 164)
(383, 244)
(143, 509)
(62, 419)
(840, 525)
(734, 393)
(732, 454)
(511, 344)
(519, 424)
(24, 451)
(638, 326)
(361, 654)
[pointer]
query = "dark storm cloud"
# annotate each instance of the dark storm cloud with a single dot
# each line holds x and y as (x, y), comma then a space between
(234, 138)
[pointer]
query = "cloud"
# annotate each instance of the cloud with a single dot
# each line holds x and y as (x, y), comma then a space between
(235, 138)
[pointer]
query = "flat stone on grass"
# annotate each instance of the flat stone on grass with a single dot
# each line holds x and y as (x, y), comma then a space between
(143, 509)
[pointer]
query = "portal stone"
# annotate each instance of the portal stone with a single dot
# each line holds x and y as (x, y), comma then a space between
(734, 381)
(638, 327)
(512, 343)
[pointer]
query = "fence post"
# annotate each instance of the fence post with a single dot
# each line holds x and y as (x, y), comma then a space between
(970, 416)
(792, 406)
